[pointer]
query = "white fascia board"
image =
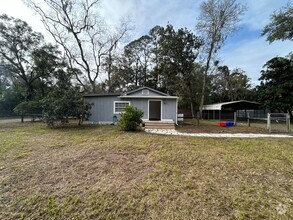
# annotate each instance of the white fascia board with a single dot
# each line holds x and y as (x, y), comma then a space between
(148, 97)
(212, 107)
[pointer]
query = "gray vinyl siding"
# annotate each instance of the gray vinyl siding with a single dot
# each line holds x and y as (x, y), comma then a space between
(169, 109)
(141, 104)
(102, 110)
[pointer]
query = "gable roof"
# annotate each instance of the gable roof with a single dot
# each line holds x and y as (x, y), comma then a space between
(237, 105)
(101, 94)
(145, 87)
(128, 94)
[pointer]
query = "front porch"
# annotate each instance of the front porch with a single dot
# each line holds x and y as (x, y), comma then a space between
(165, 124)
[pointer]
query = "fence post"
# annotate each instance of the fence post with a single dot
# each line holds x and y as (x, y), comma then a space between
(235, 115)
(197, 118)
(269, 123)
(248, 119)
(288, 122)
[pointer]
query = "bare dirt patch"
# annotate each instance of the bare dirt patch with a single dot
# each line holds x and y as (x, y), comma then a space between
(56, 165)
(58, 171)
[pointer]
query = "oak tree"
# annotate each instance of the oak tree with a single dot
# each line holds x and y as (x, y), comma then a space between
(25, 57)
(281, 25)
(276, 87)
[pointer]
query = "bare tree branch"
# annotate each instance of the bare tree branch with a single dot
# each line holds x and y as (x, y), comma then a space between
(218, 19)
(76, 26)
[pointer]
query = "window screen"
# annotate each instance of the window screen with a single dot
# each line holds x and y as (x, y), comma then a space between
(119, 107)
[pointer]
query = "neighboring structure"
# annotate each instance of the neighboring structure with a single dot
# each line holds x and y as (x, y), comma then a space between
(225, 110)
(157, 106)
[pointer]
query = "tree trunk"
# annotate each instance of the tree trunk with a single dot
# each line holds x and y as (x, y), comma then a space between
(192, 109)
(29, 92)
(211, 49)
(202, 95)
(110, 86)
(291, 115)
(93, 86)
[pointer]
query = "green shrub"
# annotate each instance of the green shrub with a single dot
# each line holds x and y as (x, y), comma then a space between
(28, 107)
(130, 119)
(61, 104)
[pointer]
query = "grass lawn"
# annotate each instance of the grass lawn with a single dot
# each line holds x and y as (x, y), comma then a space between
(97, 172)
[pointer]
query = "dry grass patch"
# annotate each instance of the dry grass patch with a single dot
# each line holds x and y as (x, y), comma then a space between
(98, 172)
(206, 126)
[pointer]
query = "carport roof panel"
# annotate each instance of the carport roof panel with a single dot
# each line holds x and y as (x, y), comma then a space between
(237, 105)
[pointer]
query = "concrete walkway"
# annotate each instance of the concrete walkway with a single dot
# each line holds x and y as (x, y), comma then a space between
(216, 135)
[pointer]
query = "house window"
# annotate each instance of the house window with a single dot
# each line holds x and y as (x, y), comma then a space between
(145, 92)
(119, 106)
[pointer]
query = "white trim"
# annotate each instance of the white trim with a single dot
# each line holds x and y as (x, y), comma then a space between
(145, 87)
(105, 122)
(155, 100)
(148, 97)
(119, 102)
(218, 106)
(98, 122)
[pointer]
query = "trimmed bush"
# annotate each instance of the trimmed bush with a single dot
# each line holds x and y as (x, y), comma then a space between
(130, 119)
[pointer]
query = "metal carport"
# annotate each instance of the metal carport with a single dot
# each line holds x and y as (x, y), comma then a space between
(226, 110)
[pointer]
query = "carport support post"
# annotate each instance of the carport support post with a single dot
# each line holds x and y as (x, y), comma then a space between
(288, 122)
(235, 115)
(248, 119)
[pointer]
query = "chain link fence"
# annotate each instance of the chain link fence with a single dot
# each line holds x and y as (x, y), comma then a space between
(279, 123)
(274, 122)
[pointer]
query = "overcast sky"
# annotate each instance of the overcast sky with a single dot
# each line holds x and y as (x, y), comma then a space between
(245, 49)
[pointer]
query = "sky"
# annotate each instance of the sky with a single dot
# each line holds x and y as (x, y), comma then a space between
(245, 49)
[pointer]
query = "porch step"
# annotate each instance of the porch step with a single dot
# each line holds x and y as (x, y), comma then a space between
(159, 125)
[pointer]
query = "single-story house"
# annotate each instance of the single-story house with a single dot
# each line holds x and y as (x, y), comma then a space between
(225, 110)
(156, 105)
